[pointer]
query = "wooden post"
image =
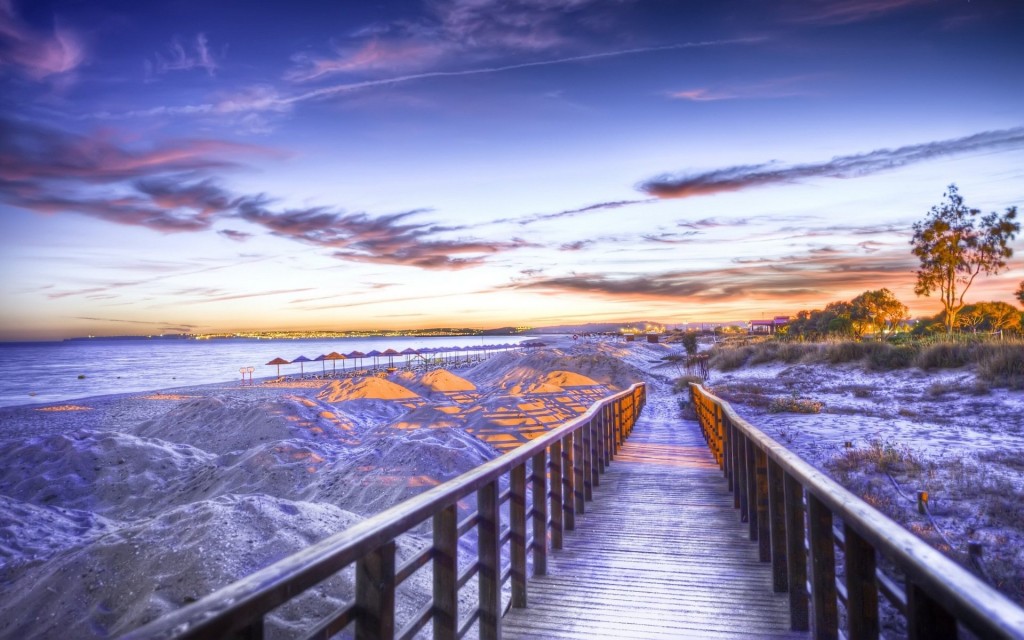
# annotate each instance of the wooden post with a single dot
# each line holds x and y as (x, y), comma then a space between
(556, 494)
(751, 488)
(489, 554)
(735, 481)
(777, 516)
(446, 573)
(539, 480)
(861, 588)
(823, 569)
(926, 619)
(586, 462)
(741, 480)
(796, 555)
(517, 539)
(764, 539)
(597, 462)
(726, 450)
(579, 455)
(375, 594)
(568, 483)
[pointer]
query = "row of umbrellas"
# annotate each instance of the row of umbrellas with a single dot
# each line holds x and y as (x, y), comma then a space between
(334, 356)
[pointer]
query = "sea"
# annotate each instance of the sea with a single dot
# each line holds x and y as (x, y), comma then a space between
(47, 372)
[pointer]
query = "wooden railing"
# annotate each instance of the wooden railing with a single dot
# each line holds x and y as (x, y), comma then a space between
(564, 466)
(791, 506)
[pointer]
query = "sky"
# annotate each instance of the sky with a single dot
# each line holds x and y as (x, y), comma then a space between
(186, 166)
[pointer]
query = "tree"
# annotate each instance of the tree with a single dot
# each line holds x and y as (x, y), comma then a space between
(999, 315)
(878, 309)
(1020, 293)
(954, 245)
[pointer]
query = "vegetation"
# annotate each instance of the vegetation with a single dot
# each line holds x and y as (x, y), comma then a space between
(998, 363)
(878, 309)
(954, 246)
(1020, 293)
(794, 405)
(689, 340)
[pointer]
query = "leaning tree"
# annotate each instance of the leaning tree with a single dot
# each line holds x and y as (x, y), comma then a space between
(954, 244)
(1020, 293)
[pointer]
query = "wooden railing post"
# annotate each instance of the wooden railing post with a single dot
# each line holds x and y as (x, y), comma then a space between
(777, 516)
(587, 463)
(446, 573)
(579, 455)
(796, 554)
(726, 449)
(861, 588)
(736, 479)
(741, 479)
(557, 487)
(926, 618)
(568, 484)
(764, 541)
(821, 542)
(597, 461)
(375, 594)
(539, 485)
(488, 533)
(751, 488)
(517, 524)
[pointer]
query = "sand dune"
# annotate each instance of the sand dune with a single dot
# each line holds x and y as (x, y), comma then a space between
(114, 515)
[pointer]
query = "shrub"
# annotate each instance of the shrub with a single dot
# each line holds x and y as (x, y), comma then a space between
(944, 355)
(730, 359)
(884, 357)
(1002, 365)
(882, 457)
(794, 405)
(682, 384)
(846, 351)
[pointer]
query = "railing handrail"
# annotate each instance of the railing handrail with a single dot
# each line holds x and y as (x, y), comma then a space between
(978, 605)
(275, 584)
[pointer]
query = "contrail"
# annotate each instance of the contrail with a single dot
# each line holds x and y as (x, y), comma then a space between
(271, 102)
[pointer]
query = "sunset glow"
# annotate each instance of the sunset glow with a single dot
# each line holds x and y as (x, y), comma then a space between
(200, 167)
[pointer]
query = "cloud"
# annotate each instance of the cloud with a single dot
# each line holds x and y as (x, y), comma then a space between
(687, 237)
(237, 236)
(38, 55)
(600, 206)
(270, 100)
(816, 274)
(839, 12)
(770, 89)
(178, 57)
(578, 245)
(451, 30)
(852, 166)
(166, 188)
(388, 239)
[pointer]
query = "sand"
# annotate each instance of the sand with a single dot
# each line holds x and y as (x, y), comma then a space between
(118, 509)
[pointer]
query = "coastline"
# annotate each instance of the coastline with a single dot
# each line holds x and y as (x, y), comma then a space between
(115, 509)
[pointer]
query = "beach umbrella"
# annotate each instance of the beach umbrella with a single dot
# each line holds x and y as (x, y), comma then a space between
(278, 362)
(409, 353)
(356, 354)
(322, 359)
(374, 354)
(301, 360)
(391, 353)
(334, 356)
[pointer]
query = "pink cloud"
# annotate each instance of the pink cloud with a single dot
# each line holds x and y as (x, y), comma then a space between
(375, 55)
(38, 55)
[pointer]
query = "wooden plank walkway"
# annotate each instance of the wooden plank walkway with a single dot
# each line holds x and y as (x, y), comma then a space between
(660, 552)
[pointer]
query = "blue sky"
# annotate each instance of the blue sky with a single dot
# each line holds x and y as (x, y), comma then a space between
(210, 166)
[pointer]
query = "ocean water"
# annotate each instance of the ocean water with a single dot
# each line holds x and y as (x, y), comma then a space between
(42, 372)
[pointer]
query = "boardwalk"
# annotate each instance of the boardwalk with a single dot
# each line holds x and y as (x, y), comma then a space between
(660, 552)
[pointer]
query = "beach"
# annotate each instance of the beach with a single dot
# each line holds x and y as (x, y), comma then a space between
(117, 509)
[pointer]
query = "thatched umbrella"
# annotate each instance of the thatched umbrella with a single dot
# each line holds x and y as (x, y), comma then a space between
(278, 362)
(391, 353)
(334, 356)
(358, 355)
(408, 353)
(374, 354)
(322, 359)
(301, 360)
